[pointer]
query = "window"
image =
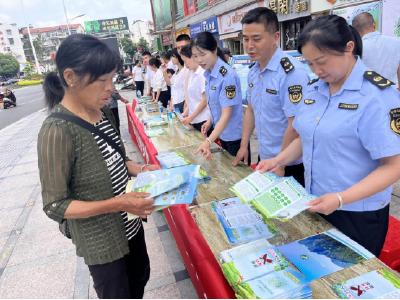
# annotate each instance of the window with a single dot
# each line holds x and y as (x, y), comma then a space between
(9, 32)
(11, 41)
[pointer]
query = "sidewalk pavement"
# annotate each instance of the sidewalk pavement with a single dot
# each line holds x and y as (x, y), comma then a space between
(36, 261)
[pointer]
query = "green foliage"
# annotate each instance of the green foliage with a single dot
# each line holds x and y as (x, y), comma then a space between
(9, 66)
(29, 82)
(128, 46)
(28, 70)
(143, 44)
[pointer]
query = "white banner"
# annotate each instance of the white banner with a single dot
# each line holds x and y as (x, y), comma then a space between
(391, 18)
(374, 8)
(230, 22)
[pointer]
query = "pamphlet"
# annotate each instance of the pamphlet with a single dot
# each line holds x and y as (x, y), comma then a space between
(240, 222)
(168, 187)
(154, 121)
(153, 132)
(372, 285)
(323, 254)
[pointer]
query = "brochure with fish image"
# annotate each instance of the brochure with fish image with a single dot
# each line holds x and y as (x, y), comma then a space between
(378, 284)
(240, 222)
(167, 187)
(322, 254)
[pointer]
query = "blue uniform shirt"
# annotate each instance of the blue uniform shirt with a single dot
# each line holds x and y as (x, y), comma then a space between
(345, 135)
(274, 94)
(223, 90)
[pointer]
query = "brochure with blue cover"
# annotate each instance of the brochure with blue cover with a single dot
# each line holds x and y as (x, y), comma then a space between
(240, 222)
(323, 254)
(169, 186)
(381, 284)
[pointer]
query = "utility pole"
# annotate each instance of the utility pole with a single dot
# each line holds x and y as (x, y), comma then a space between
(30, 41)
(173, 17)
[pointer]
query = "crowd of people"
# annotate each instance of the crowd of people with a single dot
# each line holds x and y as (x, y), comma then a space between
(338, 135)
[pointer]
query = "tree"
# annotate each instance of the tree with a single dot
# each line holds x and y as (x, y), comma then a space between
(38, 44)
(128, 47)
(9, 65)
(143, 44)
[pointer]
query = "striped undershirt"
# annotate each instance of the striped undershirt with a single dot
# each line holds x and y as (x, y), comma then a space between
(117, 168)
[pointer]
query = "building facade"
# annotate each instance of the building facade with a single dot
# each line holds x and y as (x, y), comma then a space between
(10, 42)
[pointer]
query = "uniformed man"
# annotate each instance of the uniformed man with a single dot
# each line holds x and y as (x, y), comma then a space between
(349, 134)
(224, 96)
(276, 86)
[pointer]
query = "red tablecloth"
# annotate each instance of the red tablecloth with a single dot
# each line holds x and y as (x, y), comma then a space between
(200, 262)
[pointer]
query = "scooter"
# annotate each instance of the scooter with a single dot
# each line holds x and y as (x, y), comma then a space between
(6, 102)
(125, 84)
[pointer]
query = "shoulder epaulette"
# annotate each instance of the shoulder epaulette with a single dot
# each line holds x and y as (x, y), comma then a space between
(286, 65)
(252, 64)
(312, 81)
(223, 70)
(377, 80)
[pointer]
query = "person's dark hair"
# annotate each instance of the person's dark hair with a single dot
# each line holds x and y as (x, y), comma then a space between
(171, 71)
(85, 55)
(182, 37)
(226, 51)
(207, 41)
(155, 62)
(166, 55)
(146, 53)
(187, 51)
(264, 16)
(175, 53)
(363, 22)
(330, 33)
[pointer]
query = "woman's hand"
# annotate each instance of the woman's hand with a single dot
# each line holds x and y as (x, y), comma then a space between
(147, 168)
(271, 165)
(187, 120)
(205, 127)
(326, 204)
(204, 149)
(137, 203)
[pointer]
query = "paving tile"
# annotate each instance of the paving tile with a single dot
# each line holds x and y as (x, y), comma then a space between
(170, 291)
(396, 189)
(52, 277)
(171, 251)
(15, 182)
(186, 289)
(8, 219)
(12, 198)
(24, 169)
(158, 260)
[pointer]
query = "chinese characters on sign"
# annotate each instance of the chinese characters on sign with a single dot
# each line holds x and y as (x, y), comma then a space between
(108, 25)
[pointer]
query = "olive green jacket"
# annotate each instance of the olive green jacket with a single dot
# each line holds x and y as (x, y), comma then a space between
(72, 167)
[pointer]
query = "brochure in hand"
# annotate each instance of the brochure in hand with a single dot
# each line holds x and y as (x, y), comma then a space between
(273, 196)
(240, 222)
(167, 187)
(323, 254)
(372, 285)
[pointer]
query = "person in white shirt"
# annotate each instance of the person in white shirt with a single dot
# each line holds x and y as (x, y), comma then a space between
(380, 53)
(166, 60)
(160, 90)
(138, 77)
(148, 72)
(196, 112)
(177, 82)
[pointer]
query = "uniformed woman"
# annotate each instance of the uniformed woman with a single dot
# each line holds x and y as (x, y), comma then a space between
(223, 95)
(349, 134)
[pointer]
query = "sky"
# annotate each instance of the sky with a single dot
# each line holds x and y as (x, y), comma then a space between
(42, 13)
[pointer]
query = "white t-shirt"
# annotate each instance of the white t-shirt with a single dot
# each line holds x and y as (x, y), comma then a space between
(170, 65)
(158, 81)
(178, 86)
(195, 88)
(137, 74)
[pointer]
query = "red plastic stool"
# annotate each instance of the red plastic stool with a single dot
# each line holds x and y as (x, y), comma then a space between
(390, 254)
(253, 166)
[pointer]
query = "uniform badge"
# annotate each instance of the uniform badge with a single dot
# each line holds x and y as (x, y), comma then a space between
(312, 81)
(377, 80)
(295, 93)
(309, 101)
(270, 91)
(251, 85)
(230, 91)
(252, 64)
(213, 87)
(348, 106)
(286, 65)
(223, 71)
(395, 120)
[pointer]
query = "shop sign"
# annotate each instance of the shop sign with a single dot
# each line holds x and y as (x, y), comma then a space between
(230, 22)
(391, 18)
(184, 30)
(210, 25)
(107, 25)
(166, 39)
(374, 8)
(288, 7)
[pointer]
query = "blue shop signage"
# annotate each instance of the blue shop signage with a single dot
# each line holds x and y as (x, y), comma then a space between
(210, 25)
